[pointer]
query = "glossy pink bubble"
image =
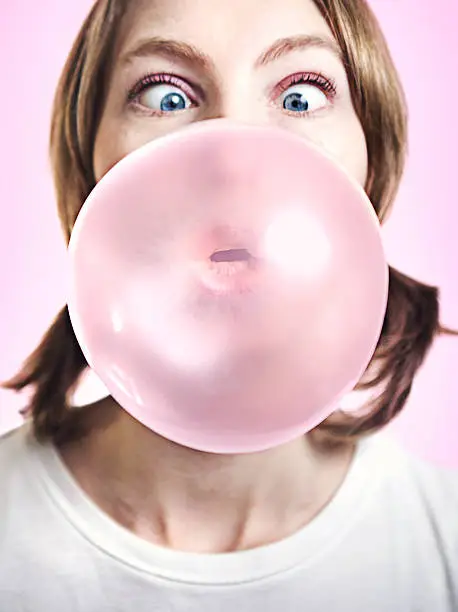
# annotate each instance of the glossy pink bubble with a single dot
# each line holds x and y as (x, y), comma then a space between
(228, 285)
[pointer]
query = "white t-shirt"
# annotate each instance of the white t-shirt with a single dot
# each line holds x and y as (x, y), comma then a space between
(388, 541)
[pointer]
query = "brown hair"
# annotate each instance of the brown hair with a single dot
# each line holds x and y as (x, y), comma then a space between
(412, 316)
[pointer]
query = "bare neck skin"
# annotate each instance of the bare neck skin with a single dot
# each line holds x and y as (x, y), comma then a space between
(192, 501)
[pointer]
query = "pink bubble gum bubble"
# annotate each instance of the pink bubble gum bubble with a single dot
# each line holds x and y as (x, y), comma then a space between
(252, 348)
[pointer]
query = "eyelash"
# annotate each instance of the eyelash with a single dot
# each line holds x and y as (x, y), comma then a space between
(153, 79)
(325, 84)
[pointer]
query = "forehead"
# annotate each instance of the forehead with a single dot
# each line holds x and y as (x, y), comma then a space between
(222, 24)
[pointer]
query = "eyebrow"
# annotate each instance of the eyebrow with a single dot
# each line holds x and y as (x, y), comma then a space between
(187, 53)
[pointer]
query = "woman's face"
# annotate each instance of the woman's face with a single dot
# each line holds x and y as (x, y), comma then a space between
(252, 61)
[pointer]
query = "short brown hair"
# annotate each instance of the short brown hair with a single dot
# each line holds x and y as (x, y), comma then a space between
(412, 317)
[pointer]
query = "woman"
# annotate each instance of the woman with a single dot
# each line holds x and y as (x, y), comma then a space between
(102, 514)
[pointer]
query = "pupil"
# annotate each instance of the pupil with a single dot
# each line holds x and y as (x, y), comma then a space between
(172, 102)
(297, 102)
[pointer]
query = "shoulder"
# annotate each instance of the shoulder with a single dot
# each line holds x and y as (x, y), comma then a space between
(11, 442)
(13, 478)
(433, 480)
(16, 455)
(427, 493)
(436, 485)
(13, 453)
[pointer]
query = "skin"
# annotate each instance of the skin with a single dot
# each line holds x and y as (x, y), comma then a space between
(165, 493)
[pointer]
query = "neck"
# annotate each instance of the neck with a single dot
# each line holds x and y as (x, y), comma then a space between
(201, 502)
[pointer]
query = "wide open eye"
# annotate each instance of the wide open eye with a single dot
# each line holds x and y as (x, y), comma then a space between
(302, 98)
(164, 98)
(162, 94)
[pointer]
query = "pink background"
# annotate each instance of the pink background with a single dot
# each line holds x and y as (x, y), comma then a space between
(420, 236)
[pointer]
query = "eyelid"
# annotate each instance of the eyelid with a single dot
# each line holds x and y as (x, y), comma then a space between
(315, 79)
(165, 78)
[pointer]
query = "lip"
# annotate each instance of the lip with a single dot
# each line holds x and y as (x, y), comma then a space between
(231, 255)
(225, 238)
(240, 277)
(229, 277)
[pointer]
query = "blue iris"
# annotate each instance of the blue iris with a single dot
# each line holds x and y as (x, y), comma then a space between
(172, 102)
(296, 102)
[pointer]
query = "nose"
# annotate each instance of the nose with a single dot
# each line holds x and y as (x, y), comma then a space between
(231, 164)
(230, 161)
(238, 99)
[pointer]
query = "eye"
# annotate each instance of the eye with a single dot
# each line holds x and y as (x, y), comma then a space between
(306, 93)
(303, 98)
(164, 98)
(161, 94)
